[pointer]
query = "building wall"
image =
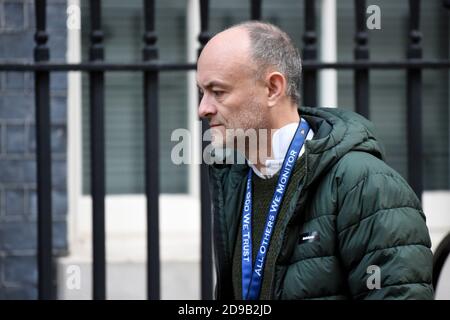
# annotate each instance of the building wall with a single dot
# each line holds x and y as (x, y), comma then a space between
(18, 200)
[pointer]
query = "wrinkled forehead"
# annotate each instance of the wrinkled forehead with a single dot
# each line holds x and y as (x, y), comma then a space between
(221, 70)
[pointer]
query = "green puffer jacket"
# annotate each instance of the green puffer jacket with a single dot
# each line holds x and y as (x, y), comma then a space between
(364, 212)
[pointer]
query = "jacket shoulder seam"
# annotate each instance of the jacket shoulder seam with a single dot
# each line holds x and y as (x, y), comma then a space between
(375, 213)
(396, 246)
(369, 175)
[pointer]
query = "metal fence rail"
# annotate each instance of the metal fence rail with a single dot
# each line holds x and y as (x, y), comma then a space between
(43, 157)
(97, 115)
(151, 137)
(151, 66)
(206, 277)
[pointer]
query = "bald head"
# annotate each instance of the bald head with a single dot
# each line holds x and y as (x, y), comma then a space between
(229, 51)
(260, 47)
(232, 40)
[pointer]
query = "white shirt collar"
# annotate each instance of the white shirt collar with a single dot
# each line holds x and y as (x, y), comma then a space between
(281, 141)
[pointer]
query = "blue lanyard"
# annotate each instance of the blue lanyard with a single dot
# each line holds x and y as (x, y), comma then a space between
(252, 277)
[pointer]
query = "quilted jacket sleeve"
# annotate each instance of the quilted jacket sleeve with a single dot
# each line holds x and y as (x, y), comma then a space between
(383, 239)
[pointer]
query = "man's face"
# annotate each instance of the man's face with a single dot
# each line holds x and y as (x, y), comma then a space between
(232, 98)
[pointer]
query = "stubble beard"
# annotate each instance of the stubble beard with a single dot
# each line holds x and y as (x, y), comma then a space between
(245, 131)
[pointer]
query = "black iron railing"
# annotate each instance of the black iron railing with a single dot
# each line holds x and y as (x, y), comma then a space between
(97, 113)
(310, 54)
(43, 157)
(205, 202)
(151, 66)
(151, 134)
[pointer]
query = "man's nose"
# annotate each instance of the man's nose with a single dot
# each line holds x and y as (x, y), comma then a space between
(206, 109)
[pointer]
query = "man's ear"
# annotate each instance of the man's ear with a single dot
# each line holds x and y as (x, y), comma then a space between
(276, 84)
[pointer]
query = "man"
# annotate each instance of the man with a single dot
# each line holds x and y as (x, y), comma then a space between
(314, 213)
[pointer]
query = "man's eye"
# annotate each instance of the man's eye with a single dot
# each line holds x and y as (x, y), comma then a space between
(218, 93)
(200, 93)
